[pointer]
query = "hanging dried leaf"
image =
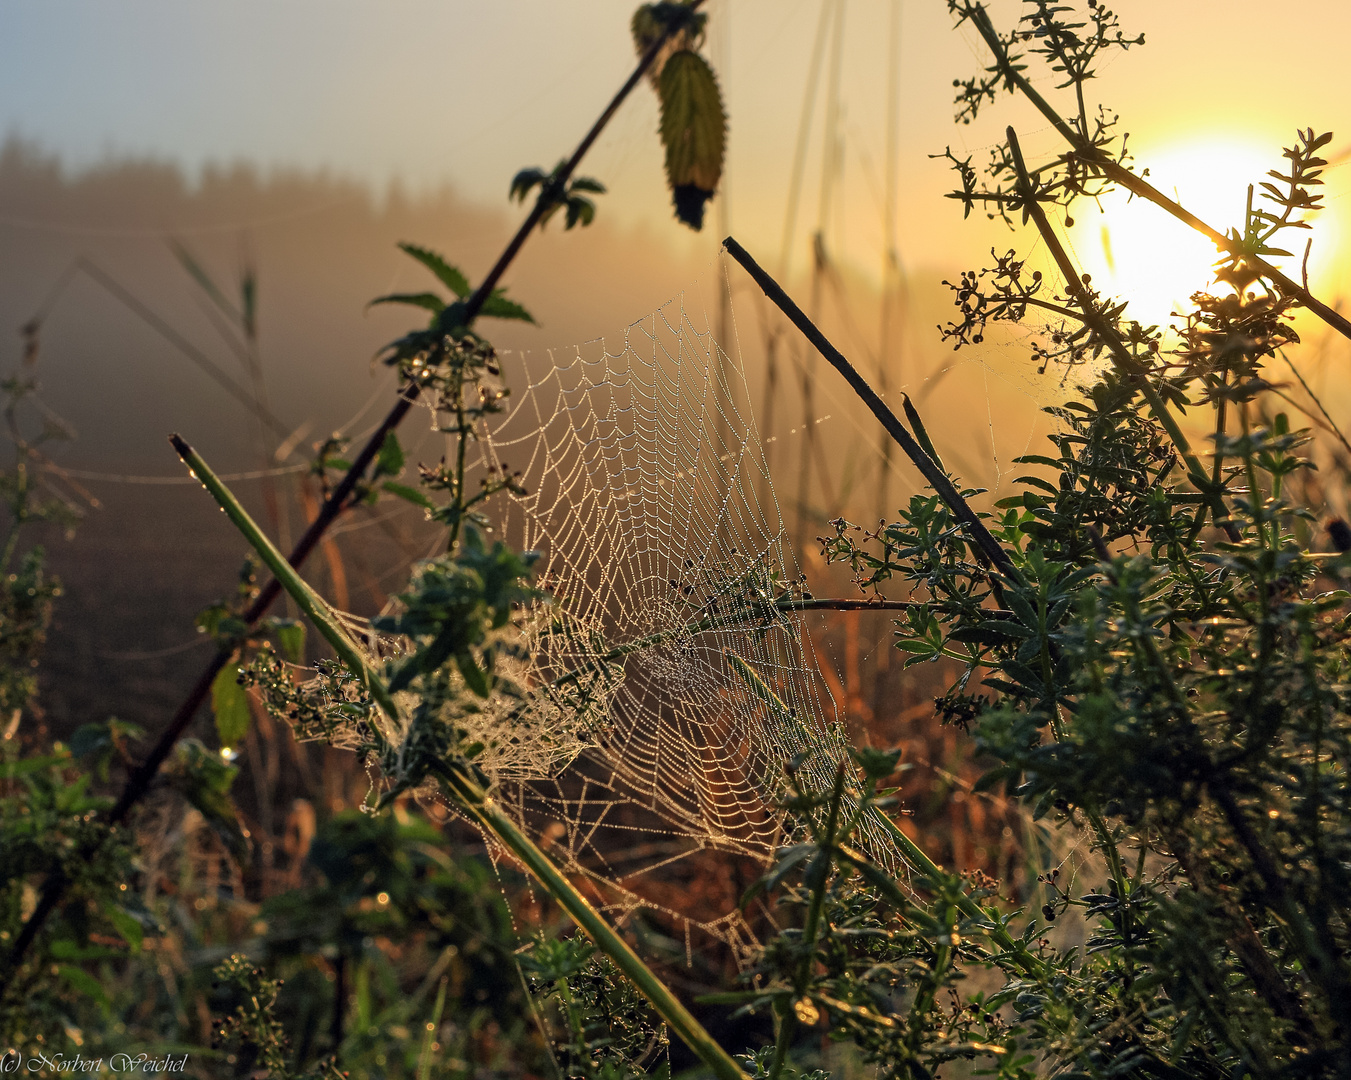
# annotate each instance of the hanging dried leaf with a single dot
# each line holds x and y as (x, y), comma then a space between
(694, 132)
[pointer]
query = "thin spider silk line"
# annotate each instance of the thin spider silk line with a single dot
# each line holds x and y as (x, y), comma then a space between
(170, 481)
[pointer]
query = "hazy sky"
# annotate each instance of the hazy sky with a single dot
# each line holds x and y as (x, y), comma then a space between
(435, 91)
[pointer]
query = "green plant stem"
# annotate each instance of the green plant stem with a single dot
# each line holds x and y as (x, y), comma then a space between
(462, 435)
(783, 1039)
(424, 1066)
(483, 809)
(319, 613)
(1137, 185)
(811, 926)
(468, 793)
(570, 1005)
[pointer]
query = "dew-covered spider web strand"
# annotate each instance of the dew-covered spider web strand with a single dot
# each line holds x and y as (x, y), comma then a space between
(670, 641)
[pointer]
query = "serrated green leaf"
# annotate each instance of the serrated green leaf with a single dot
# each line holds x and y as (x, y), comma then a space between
(526, 180)
(581, 211)
(449, 276)
(587, 183)
(498, 306)
(230, 702)
(428, 300)
(693, 131)
(408, 494)
(290, 635)
(390, 460)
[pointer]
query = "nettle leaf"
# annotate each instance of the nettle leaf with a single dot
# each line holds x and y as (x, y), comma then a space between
(498, 306)
(526, 181)
(587, 183)
(449, 276)
(230, 702)
(554, 195)
(428, 300)
(290, 635)
(581, 211)
(694, 132)
(408, 494)
(390, 460)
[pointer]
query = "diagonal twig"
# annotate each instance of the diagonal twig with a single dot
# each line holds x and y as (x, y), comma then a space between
(930, 470)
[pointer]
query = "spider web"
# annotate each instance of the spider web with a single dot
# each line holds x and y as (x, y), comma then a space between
(668, 683)
(669, 667)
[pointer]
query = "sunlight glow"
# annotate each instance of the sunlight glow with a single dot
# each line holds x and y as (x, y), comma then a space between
(1135, 249)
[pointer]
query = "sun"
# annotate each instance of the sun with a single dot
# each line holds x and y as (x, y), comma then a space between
(1139, 252)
